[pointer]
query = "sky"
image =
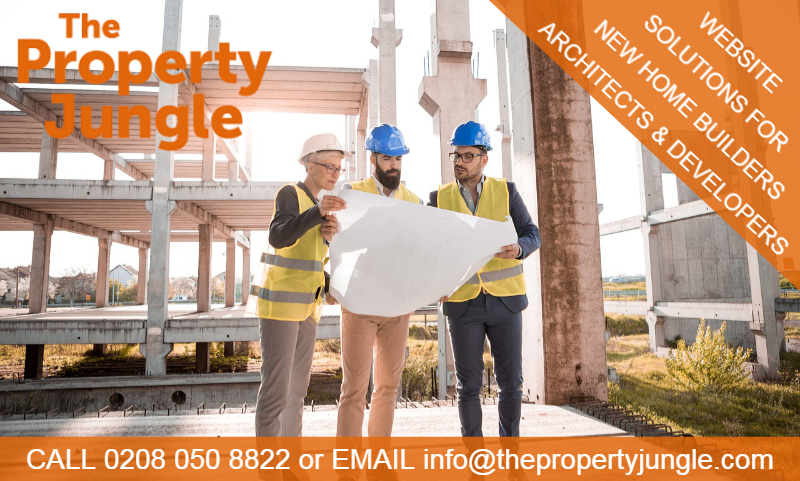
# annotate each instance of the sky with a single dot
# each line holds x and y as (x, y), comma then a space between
(302, 33)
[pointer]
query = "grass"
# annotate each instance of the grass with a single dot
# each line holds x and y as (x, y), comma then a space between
(624, 286)
(754, 409)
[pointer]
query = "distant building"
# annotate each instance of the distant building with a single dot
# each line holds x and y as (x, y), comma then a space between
(9, 274)
(124, 274)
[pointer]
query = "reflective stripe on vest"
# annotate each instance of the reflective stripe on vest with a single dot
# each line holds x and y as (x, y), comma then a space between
(368, 185)
(291, 279)
(296, 264)
(499, 277)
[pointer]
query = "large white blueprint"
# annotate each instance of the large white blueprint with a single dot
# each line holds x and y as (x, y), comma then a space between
(392, 257)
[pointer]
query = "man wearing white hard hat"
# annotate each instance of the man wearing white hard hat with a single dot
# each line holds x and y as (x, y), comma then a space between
(287, 296)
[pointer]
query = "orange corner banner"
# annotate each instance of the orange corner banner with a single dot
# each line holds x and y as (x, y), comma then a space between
(710, 88)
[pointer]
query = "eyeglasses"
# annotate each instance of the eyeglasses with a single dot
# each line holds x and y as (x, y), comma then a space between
(331, 169)
(466, 158)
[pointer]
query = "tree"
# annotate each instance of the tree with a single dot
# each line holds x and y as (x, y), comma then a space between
(184, 286)
(24, 288)
(76, 284)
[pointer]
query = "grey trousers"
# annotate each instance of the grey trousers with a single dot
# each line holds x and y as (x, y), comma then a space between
(287, 350)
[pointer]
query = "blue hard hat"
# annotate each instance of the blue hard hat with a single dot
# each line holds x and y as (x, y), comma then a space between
(471, 133)
(386, 139)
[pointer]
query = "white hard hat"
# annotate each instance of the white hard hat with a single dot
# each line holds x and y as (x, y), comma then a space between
(320, 142)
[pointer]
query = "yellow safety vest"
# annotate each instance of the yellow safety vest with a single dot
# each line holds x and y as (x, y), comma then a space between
(290, 284)
(500, 277)
(368, 185)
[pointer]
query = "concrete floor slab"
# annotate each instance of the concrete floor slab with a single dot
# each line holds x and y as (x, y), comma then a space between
(536, 421)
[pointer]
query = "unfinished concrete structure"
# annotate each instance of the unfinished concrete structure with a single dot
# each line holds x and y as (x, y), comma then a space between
(696, 267)
(153, 209)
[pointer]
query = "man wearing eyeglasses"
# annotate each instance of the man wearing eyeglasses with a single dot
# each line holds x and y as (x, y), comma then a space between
(362, 333)
(491, 303)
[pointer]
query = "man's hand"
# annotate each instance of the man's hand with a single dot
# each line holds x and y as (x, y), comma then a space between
(331, 203)
(444, 299)
(330, 299)
(509, 252)
(330, 226)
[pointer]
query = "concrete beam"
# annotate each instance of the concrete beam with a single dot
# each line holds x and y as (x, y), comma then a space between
(631, 308)
(36, 217)
(18, 99)
(679, 212)
(191, 191)
(203, 217)
(705, 310)
(107, 331)
(623, 225)
(75, 189)
(71, 76)
(129, 331)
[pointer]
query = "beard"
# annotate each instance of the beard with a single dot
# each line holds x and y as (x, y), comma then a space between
(388, 181)
(465, 175)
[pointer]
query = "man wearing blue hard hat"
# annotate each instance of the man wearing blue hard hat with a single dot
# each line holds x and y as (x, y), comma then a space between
(491, 303)
(361, 333)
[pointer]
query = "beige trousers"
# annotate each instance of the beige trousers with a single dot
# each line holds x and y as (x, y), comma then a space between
(362, 337)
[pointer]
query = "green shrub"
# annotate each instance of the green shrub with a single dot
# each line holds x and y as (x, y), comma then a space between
(708, 364)
(626, 326)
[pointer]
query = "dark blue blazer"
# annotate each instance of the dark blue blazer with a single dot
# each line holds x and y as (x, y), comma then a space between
(528, 239)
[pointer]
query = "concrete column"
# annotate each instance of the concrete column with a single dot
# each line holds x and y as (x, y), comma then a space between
(37, 297)
(450, 95)
(48, 156)
(386, 37)
(245, 270)
(651, 198)
(248, 146)
(204, 268)
(34, 361)
(141, 289)
(101, 288)
(230, 284)
(108, 169)
(374, 109)
(155, 350)
(563, 328)
(207, 163)
(103, 266)
(502, 91)
(764, 289)
(352, 146)
(210, 144)
(361, 156)
(40, 267)
(204, 292)
(685, 194)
